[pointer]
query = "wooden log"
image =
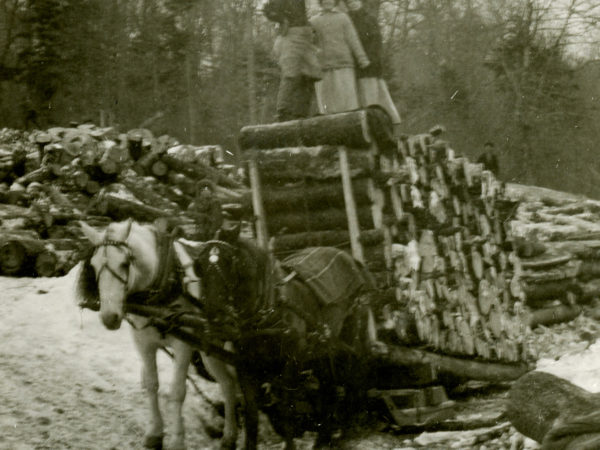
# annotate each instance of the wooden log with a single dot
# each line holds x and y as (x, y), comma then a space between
(40, 175)
(348, 129)
(326, 219)
(588, 270)
(463, 368)
(159, 169)
(112, 159)
(540, 404)
(553, 315)
(525, 193)
(533, 293)
(17, 256)
(590, 290)
(290, 164)
(311, 196)
(145, 192)
(198, 172)
(580, 249)
(119, 208)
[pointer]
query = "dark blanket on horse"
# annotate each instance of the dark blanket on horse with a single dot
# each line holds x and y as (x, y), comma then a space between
(331, 273)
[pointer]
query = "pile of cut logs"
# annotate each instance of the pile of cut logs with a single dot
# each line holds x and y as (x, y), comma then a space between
(440, 233)
(51, 180)
(453, 261)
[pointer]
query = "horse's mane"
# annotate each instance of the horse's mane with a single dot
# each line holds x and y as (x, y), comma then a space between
(86, 287)
(257, 272)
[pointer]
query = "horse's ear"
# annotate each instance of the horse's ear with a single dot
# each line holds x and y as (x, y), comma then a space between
(229, 234)
(94, 236)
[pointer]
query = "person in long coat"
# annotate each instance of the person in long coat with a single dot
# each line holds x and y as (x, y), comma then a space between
(372, 88)
(297, 58)
(339, 48)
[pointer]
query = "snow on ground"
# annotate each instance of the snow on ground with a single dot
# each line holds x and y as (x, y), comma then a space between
(581, 369)
(68, 383)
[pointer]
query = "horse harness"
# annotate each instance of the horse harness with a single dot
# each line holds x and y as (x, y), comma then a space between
(321, 332)
(166, 285)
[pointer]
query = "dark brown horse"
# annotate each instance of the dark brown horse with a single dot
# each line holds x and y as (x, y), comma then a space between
(301, 328)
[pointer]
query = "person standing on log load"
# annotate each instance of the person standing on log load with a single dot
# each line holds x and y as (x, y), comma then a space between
(206, 212)
(372, 88)
(339, 48)
(489, 160)
(297, 58)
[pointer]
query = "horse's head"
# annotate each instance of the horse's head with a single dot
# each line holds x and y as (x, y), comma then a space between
(231, 272)
(123, 261)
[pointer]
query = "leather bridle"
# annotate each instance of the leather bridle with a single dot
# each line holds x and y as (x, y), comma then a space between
(120, 244)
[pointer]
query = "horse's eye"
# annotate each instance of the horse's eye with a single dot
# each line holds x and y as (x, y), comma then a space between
(125, 265)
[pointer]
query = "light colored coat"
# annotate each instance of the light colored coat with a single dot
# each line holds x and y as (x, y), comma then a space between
(339, 44)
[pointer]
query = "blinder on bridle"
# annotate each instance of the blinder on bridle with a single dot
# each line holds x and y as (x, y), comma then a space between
(215, 248)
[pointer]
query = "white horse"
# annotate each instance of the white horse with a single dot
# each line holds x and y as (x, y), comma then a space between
(130, 259)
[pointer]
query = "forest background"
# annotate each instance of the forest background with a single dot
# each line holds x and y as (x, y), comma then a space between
(524, 74)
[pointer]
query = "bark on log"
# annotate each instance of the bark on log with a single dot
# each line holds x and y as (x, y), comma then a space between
(312, 196)
(119, 208)
(535, 292)
(539, 401)
(553, 315)
(463, 368)
(17, 256)
(145, 192)
(349, 129)
(580, 249)
(327, 219)
(291, 164)
(198, 172)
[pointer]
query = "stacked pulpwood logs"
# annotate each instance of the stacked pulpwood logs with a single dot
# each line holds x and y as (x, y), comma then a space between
(453, 261)
(51, 180)
(438, 222)
(305, 177)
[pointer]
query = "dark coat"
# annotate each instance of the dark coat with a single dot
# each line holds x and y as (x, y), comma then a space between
(291, 13)
(490, 162)
(367, 28)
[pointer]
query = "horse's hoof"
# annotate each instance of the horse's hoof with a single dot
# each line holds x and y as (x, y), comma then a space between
(212, 429)
(154, 442)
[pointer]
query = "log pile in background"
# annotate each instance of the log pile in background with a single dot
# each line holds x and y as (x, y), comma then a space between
(51, 180)
(558, 240)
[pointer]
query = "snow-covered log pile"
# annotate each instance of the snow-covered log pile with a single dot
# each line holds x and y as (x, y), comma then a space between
(52, 179)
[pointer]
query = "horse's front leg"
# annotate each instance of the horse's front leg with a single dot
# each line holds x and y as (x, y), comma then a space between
(250, 391)
(182, 355)
(225, 376)
(147, 345)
